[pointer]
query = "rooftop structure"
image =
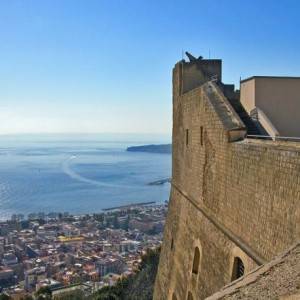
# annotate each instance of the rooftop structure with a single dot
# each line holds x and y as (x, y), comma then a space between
(274, 102)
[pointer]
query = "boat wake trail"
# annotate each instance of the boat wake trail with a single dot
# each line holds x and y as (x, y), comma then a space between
(66, 167)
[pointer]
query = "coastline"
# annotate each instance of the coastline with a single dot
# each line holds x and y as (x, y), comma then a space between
(129, 205)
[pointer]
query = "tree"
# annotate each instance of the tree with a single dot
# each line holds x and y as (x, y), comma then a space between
(27, 297)
(73, 295)
(108, 293)
(44, 293)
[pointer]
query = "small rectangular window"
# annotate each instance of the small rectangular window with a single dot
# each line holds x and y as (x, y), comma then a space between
(187, 137)
(201, 135)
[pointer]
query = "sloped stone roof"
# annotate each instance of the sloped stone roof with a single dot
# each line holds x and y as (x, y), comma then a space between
(278, 279)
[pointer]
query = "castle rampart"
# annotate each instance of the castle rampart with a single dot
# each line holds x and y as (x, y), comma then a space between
(234, 202)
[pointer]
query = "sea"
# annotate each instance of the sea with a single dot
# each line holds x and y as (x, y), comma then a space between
(79, 173)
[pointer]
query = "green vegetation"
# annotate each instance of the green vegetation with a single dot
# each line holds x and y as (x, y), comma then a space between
(136, 287)
(43, 293)
(6, 297)
(27, 298)
(74, 295)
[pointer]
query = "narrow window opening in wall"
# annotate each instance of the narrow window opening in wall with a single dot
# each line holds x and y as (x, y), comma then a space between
(190, 296)
(238, 268)
(196, 261)
(201, 135)
(187, 137)
(174, 297)
(172, 244)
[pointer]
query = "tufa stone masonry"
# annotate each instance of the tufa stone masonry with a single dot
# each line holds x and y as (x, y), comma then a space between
(235, 200)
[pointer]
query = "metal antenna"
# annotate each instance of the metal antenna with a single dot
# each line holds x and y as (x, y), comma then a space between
(214, 78)
(208, 53)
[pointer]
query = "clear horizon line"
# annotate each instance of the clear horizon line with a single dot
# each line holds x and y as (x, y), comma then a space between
(89, 133)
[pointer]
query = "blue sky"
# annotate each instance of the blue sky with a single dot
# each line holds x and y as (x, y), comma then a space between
(105, 66)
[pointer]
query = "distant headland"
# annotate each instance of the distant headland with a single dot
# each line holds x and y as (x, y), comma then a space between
(163, 148)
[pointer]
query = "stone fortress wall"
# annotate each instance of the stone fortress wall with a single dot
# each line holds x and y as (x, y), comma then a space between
(235, 202)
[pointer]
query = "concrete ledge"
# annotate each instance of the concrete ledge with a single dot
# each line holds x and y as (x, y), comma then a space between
(228, 116)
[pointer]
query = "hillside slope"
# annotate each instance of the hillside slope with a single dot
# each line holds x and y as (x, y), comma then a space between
(136, 287)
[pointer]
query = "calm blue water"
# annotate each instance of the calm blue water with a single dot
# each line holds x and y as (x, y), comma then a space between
(78, 174)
